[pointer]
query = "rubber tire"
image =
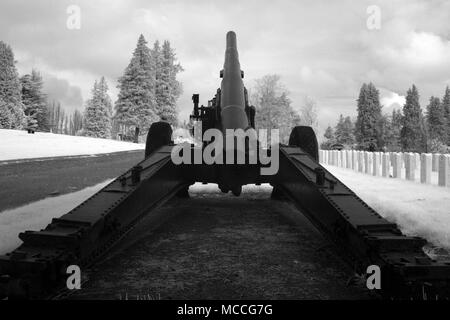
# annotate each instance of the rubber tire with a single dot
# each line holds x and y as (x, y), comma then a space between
(305, 138)
(159, 134)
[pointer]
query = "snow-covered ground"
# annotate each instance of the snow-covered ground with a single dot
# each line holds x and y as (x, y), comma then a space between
(18, 144)
(418, 209)
(422, 210)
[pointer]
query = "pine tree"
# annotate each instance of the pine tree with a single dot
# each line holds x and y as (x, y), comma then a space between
(412, 135)
(27, 100)
(5, 115)
(436, 122)
(383, 131)
(34, 100)
(157, 58)
(11, 107)
(349, 129)
(329, 138)
(343, 132)
(393, 128)
(136, 104)
(367, 126)
(338, 129)
(168, 88)
(97, 115)
(446, 108)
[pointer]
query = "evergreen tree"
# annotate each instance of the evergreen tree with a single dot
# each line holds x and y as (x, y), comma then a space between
(11, 107)
(367, 126)
(168, 88)
(329, 138)
(329, 134)
(393, 128)
(5, 115)
(97, 115)
(27, 100)
(446, 108)
(160, 85)
(348, 132)
(343, 132)
(34, 100)
(412, 135)
(338, 129)
(383, 131)
(436, 122)
(136, 104)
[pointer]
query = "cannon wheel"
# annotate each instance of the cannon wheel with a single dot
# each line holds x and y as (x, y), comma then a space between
(305, 138)
(159, 134)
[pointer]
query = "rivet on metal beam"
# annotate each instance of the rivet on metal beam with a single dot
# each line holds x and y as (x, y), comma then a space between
(123, 181)
(136, 174)
(332, 184)
(320, 176)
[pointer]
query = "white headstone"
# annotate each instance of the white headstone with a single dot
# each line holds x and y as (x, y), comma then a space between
(444, 170)
(397, 165)
(376, 164)
(367, 162)
(385, 164)
(425, 168)
(410, 167)
(435, 162)
(360, 161)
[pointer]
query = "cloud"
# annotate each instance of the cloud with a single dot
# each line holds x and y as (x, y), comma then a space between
(422, 51)
(61, 90)
(391, 100)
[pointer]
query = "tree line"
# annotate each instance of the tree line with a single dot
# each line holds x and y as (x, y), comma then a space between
(406, 130)
(23, 103)
(148, 91)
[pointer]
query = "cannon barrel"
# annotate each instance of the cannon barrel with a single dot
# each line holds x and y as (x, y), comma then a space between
(232, 97)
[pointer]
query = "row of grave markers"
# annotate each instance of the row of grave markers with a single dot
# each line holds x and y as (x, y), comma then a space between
(381, 163)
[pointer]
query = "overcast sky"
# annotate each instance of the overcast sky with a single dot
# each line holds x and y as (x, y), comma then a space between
(322, 49)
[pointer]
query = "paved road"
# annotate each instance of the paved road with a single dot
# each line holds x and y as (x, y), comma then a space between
(215, 246)
(25, 182)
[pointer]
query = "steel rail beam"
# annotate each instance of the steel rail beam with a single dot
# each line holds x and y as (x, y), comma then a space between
(80, 236)
(361, 234)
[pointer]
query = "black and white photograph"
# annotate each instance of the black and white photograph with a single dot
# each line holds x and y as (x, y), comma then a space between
(225, 155)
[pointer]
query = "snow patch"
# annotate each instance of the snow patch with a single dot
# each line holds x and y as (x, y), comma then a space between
(17, 144)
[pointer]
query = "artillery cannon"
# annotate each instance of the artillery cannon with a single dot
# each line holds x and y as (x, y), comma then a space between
(37, 268)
